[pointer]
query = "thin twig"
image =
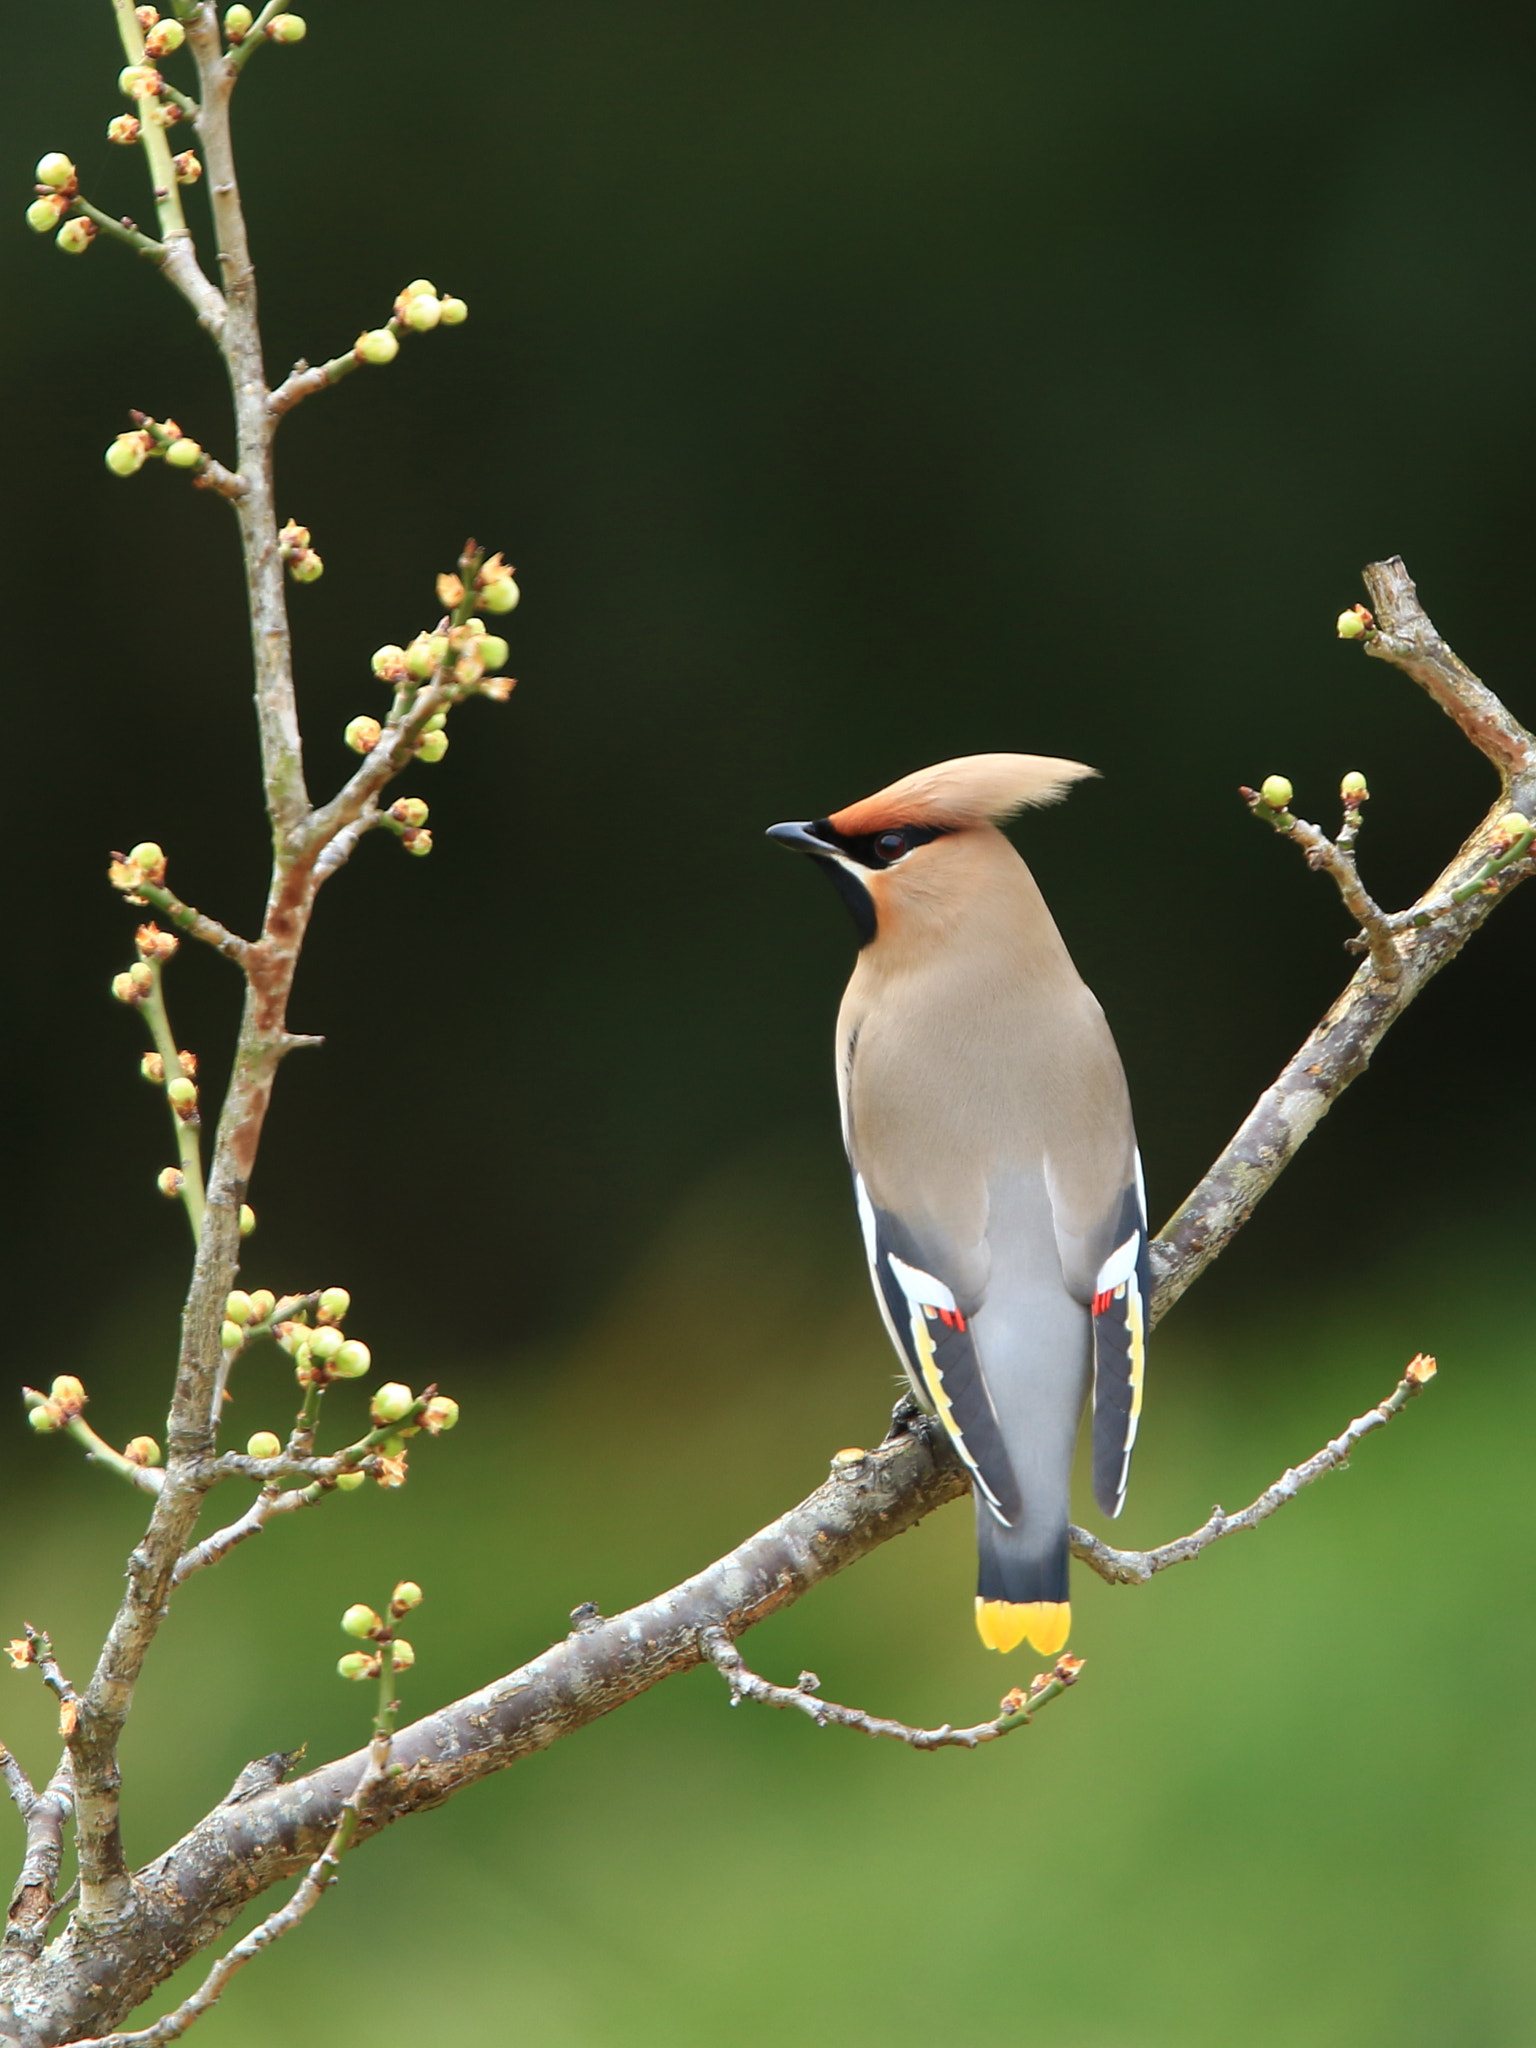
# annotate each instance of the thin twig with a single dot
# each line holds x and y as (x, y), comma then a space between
(17, 1783)
(1135, 1567)
(1017, 1709)
(1338, 863)
(193, 922)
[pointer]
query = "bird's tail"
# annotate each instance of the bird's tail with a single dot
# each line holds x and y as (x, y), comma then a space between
(1021, 1590)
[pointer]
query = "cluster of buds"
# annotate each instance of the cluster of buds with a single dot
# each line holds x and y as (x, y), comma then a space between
(161, 37)
(58, 187)
(321, 1353)
(144, 863)
(304, 565)
(62, 1404)
(1355, 623)
(128, 453)
(418, 309)
(493, 587)
(364, 1625)
(143, 84)
(408, 814)
(134, 985)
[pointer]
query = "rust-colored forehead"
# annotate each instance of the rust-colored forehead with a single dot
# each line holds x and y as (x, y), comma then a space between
(955, 794)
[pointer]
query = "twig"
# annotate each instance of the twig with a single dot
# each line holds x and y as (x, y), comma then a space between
(1336, 861)
(317, 1880)
(305, 379)
(17, 1783)
(193, 922)
(31, 1906)
(147, 1478)
(1017, 1709)
(1135, 1567)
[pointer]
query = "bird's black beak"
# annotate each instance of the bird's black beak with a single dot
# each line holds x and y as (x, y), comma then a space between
(800, 839)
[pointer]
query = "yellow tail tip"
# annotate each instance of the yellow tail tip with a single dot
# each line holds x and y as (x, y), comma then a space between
(1004, 1624)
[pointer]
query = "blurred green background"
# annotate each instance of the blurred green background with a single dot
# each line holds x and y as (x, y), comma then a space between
(852, 387)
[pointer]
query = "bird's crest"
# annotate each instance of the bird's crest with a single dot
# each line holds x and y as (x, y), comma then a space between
(971, 791)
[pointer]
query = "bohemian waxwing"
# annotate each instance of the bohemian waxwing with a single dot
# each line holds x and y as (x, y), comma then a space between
(994, 1161)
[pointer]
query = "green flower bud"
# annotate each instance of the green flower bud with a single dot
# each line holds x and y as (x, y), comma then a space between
(181, 1093)
(247, 1219)
(142, 1450)
(123, 129)
(170, 1180)
(239, 1307)
(147, 857)
(391, 1402)
(1276, 792)
(142, 975)
(264, 1445)
(351, 1360)
(45, 1418)
(231, 1336)
(287, 28)
(55, 169)
(378, 345)
(43, 215)
(334, 1303)
(68, 1392)
(392, 1446)
(358, 1664)
(237, 23)
(183, 454)
(432, 747)
(189, 170)
(469, 668)
(126, 455)
(293, 1337)
(405, 1596)
(1353, 623)
(362, 734)
(410, 811)
(419, 287)
(419, 844)
(439, 644)
(164, 37)
(439, 1414)
(76, 236)
(402, 1656)
(388, 664)
(500, 596)
(423, 313)
(452, 312)
(360, 1621)
(306, 567)
(139, 81)
(421, 658)
(325, 1343)
(1353, 790)
(349, 1482)
(436, 722)
(493, 651)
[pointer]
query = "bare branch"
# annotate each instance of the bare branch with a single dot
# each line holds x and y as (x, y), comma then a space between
(1017, 1709)
(31, 1906)
(1407, 638)
(318, 1879)
(17, 1783)
(1135, 1567)
(193, 922)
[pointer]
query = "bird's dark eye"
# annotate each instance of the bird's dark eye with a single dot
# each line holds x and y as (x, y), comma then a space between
(891, 845)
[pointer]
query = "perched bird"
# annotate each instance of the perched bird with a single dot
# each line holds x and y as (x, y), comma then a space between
(986, 1119)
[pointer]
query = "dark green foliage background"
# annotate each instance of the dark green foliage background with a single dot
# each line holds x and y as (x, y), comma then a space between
(852, 386)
